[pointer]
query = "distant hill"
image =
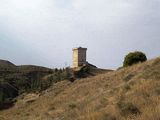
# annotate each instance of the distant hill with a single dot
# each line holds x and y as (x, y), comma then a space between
(131, 93)
(32, 68)
(6, 64)
(15, 80)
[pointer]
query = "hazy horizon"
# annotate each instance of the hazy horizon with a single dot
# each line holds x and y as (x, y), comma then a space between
(43, 32)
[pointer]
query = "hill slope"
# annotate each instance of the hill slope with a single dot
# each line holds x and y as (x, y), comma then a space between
(131, 93)
(15, 80)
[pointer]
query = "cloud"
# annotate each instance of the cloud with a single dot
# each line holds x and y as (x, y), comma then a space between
(45, 31)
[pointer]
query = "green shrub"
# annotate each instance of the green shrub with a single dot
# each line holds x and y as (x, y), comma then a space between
(133, 58)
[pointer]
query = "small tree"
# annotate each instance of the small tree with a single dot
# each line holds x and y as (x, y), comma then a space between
(133, 58)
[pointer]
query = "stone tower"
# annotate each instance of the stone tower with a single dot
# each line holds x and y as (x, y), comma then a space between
(79, 57)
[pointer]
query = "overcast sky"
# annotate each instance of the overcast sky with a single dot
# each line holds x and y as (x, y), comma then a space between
(43, 32)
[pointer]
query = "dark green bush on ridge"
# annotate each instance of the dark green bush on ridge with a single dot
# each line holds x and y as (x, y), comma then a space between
(134, 58)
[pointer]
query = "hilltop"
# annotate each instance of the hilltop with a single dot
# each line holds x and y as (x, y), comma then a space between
(4, 65)
(131, 93)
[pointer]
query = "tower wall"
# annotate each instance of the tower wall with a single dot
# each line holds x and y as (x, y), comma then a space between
(79, 57)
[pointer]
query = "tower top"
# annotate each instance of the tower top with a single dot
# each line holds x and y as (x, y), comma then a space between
(79, 48)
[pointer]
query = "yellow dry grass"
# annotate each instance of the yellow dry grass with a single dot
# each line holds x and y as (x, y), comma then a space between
(131, 93)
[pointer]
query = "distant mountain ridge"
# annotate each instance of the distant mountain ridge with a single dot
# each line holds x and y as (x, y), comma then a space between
(5, 63)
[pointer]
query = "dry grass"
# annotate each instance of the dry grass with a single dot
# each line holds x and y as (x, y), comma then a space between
(131, 93)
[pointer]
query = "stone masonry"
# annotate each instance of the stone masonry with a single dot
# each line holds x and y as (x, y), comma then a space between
(79, 57)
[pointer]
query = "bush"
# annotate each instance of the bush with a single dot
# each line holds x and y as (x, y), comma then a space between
(133, 58)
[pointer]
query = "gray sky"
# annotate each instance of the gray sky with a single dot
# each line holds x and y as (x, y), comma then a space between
(43, 32)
